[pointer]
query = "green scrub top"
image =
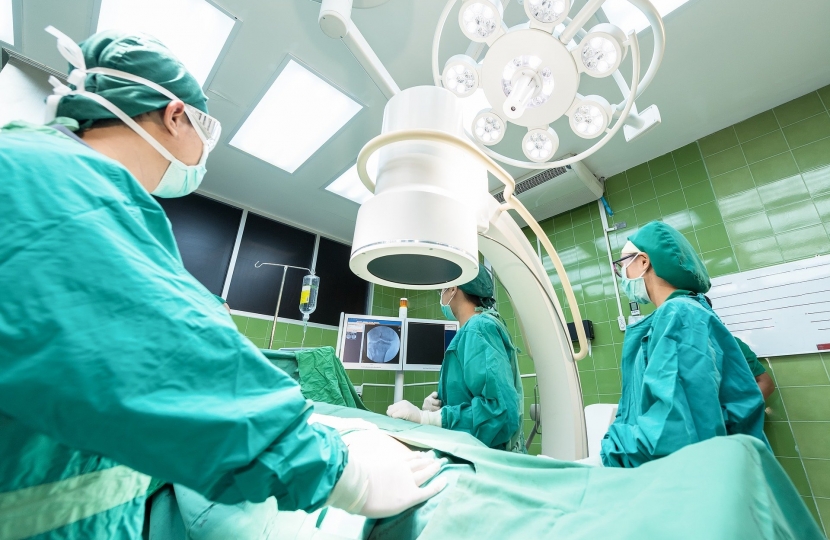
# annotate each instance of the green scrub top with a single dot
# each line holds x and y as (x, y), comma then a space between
(113, 354)
(755, 366)
(480, 384)
(684, 380)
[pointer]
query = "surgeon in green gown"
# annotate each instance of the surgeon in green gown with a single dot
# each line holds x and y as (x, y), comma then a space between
(115, 363)
(480, 387)
(684, 379)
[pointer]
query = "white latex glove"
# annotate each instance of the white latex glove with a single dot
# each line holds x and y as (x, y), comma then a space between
(432, 403)
(383, 476)
(407, 411)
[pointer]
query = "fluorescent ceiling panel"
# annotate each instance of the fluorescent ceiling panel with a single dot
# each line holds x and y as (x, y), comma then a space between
(195, 30)
(6, 22)
(627, 17)
(297, 115)
(349, 186)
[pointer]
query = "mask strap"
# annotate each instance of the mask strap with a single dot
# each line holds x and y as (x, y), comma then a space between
(77, 77)
(625, 268)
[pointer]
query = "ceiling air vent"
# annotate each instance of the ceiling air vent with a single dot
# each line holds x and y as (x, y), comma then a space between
(556, 190)
(534, 181)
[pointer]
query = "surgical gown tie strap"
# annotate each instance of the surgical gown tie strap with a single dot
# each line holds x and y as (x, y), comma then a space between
(38, 509)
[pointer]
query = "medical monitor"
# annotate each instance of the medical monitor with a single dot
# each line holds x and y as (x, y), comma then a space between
(426, 343)
(371, 342)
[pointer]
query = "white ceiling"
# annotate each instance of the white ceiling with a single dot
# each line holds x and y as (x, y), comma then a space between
(725, 61)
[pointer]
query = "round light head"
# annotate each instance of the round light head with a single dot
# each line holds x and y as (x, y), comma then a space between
(590, 117)
(547, 12)
(488, 127)
(461, 75)
(601, 51)
(480, 19)
(540, 144)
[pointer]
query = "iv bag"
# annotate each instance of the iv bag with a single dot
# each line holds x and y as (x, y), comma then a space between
(308, 295)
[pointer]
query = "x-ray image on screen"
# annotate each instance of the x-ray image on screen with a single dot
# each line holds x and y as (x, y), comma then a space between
(371, 342)
(382, 344)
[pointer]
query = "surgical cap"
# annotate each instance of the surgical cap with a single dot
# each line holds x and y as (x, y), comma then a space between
(481, 286)
(672, 256)
(138, 54)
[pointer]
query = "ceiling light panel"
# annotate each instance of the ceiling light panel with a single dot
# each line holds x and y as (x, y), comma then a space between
(621, 13)
(6, 22)
(195, 30)
(295, 117)
(348, 185)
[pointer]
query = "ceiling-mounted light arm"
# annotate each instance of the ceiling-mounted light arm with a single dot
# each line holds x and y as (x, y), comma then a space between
(336, 22)
(436, 41)
(659, 32)
(580, 19)
(629, 103)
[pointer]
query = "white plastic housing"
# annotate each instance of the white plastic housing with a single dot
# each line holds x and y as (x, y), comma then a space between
(457, 64)
(548, 137)
(420, 230)
(607, 34)
(492, 10)
(602, 117)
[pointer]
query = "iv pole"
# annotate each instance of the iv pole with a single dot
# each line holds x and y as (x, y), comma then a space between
(285, 268)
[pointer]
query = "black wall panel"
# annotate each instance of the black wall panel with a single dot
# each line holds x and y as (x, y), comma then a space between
(340, 289)
(256, 289)
(205, 231)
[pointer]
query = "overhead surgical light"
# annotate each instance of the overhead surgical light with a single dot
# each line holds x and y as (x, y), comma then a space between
(590, 116)
(531, 73)
(488, 127)
(539, 145)
(602, 50)
(480, 20)
(550, 12)
(461, 75)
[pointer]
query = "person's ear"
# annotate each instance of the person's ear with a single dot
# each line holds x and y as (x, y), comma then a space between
(174, 117)
(646, 262)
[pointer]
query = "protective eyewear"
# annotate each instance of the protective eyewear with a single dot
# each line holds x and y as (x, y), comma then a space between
(207, 127)
(618, 265)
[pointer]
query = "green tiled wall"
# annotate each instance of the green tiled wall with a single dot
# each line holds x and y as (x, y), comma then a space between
(286, 335)
(751, 195)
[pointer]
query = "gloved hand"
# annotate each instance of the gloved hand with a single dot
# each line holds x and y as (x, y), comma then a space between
(383, 476)
(432, 403)
(407, 411)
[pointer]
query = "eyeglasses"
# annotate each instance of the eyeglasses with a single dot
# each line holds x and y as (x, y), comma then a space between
(618, 265)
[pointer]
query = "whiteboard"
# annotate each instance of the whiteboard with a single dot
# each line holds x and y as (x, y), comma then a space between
(779, 310)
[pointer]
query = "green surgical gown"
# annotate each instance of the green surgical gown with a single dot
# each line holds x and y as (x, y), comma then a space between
(480, 385)
(755, 365)
(684, 380)
(111, 353)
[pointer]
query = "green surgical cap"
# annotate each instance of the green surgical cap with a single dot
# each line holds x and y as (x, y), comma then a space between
(672, 256)
(138, 54)
(481, 286)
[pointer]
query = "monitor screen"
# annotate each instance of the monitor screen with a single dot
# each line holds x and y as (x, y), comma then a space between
(371, 342)
(426, 342)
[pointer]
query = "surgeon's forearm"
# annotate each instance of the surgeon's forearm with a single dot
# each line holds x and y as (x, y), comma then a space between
(301, 478)
(765, 384)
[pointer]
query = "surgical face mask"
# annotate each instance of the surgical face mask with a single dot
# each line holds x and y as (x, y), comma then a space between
(179, 179)
(445, 308)
(634, 288)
